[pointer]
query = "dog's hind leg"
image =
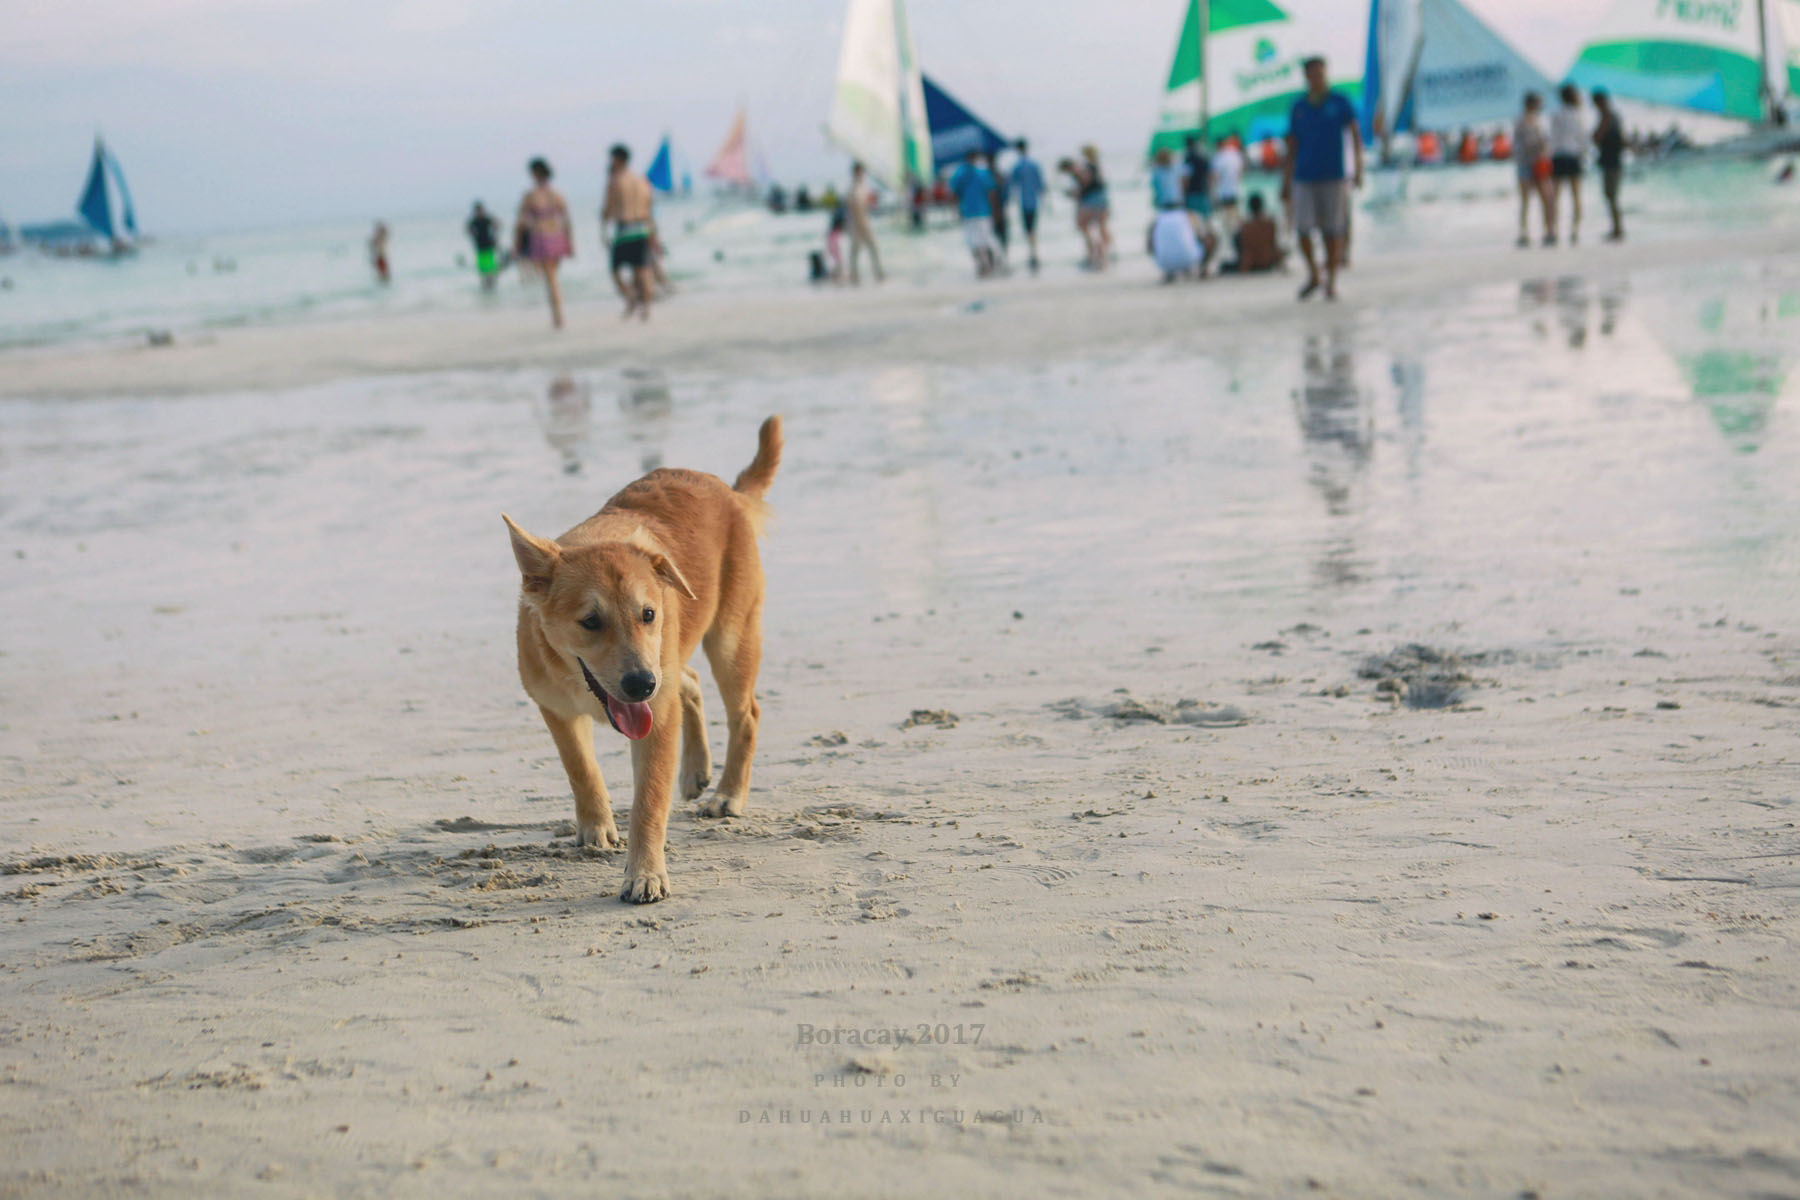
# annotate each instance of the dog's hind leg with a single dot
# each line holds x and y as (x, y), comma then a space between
(735, 660)
(593, 810)
(696, 759)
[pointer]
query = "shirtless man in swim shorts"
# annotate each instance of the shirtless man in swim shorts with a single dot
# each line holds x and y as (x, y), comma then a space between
(627, 207)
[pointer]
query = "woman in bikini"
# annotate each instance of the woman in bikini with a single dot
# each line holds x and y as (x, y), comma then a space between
(544, 218)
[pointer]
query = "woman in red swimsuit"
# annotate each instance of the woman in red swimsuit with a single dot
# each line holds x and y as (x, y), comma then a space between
(544, 217)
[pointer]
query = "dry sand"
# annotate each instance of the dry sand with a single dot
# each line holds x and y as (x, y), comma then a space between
(289, 905)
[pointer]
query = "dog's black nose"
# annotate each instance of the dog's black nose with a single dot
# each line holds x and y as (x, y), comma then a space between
(637, 685)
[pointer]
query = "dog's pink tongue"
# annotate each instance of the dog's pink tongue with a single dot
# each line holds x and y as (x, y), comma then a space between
(632, 719)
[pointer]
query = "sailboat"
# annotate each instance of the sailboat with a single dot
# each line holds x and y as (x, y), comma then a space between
(731, 165)
(1433, 64)
(954, 129)
(1711, 58)
(105, 211)
(1238, 71)
(878, 105)
(1787, 26)
(662, 172)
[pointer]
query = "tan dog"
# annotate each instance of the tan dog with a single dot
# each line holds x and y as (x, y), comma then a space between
(610, 613)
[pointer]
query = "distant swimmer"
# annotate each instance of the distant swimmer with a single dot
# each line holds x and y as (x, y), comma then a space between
(1531, 164)
(1314, 182)
(484, 232)
(544, 221)
(628, 208)
(973, 185)
(1568, 143)
(862, 232)
(1786, 174)
(1028, 186)
(378, 252)
(1609, 155)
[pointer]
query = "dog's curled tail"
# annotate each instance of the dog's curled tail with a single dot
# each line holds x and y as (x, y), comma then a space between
(754, 480)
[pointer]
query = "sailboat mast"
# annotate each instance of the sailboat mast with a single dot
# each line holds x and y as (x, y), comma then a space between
(1205, 7)
(1771, 102)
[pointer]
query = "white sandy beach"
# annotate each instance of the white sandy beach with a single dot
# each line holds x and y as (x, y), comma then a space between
(290, 906)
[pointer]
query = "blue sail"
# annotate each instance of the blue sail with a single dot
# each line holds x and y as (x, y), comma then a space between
(129, 218)
(95, 206)
(661, 175)
(954, 129)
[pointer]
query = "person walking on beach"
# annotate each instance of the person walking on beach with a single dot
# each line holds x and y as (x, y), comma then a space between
(973, 186)
(1609, 145)
(484, 232)
(544, 221)
(1568, 141)
(999, 198)
(627, 208)
(1531, 162)
(1228, 176)
(862, 233)
(378, 243)
(1313, 181)
(1094, 201)
(1028, 186)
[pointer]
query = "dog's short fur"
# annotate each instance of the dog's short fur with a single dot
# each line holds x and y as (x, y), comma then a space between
(610, 613)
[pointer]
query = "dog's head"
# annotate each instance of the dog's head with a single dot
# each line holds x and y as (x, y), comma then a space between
(601, 606)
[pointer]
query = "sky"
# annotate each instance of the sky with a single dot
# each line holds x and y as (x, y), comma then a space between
(240, 114)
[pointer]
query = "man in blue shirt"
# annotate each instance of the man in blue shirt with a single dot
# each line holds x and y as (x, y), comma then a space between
(1028, 185)
(973, 186)
(1313, 182)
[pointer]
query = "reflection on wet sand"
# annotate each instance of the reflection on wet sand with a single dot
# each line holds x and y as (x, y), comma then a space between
(1735, 343)
(563, 417)
(1570, 300)
(1337, 426)
(647, 404)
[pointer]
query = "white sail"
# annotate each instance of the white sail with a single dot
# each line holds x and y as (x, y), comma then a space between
(878, 106)
(1467, 74)
(1399, 33)
(1787, 30)
(1704, 55)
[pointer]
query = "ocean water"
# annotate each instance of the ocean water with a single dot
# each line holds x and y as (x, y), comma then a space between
(189, 284)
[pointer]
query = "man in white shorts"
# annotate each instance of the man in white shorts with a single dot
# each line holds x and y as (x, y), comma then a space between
(973, 186)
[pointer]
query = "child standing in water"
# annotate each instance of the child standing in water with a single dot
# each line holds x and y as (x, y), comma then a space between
(544, 221)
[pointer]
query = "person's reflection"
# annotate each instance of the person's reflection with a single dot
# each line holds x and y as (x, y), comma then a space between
(1612, 304)
(1335, 419)
(1408, 374)
(1572, 304)
(564, 419)
(646, 403)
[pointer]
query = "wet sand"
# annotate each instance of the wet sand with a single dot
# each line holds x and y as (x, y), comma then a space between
(1192, 877)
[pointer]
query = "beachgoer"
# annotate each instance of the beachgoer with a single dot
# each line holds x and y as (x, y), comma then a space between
(544, 217)
(1196, 182)
(1228, 175)
(1568, 141)
(1258, 241)
(1172, 243)
(628, 208)
(1166, 182)
(1531, 163)
(862, 233)
(1094, 201)
(917, 199)
(999, 199)
(484, 231)
(1028, 186)
(834, 243)
(1609, 144)
(828, 199)
(973, 186)
(378, 242)
(1314, 183)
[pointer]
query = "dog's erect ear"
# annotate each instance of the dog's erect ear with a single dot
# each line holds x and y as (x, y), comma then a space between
(537, 558)
(660, 562)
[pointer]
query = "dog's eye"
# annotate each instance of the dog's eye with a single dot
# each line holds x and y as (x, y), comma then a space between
(592, 622)
(649, 615)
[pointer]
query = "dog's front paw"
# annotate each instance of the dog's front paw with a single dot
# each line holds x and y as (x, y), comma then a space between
(645, 886)
(722, 805)
(602, 836)
(693, 782)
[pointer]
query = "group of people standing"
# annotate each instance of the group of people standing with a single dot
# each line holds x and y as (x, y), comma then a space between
(1550, 161)
(983, 193)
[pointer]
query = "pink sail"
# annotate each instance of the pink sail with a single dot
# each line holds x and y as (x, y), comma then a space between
(732, 163)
